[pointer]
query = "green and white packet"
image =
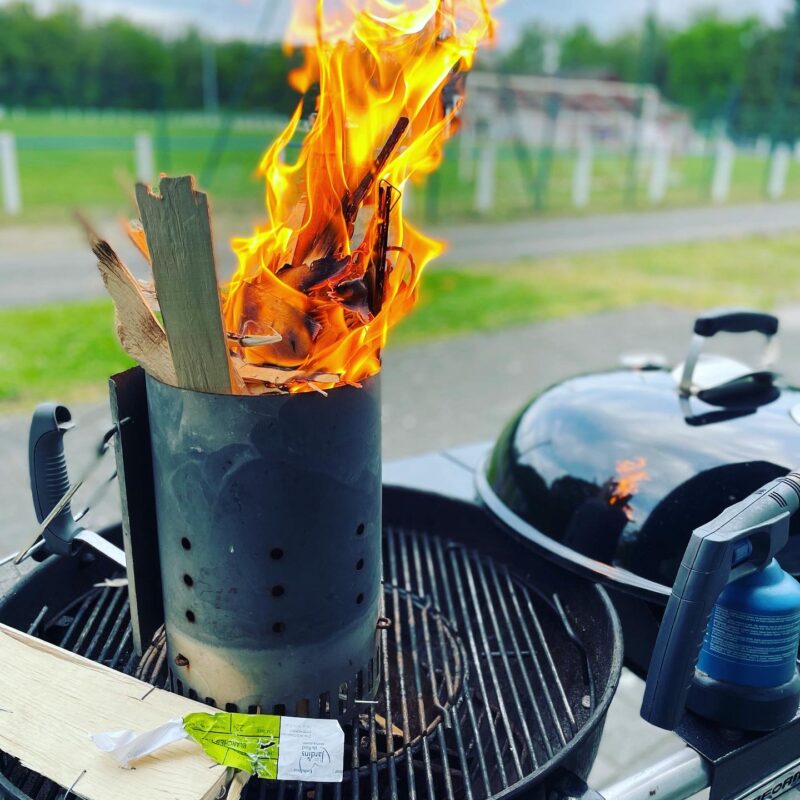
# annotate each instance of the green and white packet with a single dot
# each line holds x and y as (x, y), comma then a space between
(280, 748)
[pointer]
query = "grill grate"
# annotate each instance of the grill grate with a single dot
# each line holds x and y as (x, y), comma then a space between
(484, 680)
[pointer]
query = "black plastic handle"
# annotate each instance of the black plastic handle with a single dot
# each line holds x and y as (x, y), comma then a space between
(48, 474)
(735, 320)
(741, 540)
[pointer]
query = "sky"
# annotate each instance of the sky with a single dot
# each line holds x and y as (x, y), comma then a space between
(266, 18)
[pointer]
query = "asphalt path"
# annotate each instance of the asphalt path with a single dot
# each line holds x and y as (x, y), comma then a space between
(40, 265)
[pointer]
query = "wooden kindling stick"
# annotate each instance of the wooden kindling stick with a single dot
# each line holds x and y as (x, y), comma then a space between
(138, 330)
(378, 267)
(177, 225)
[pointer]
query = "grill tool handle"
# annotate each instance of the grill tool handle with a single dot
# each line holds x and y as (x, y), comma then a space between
(48, 474)
(741, 540)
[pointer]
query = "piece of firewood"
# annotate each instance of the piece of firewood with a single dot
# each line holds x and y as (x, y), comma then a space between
(178, 230)
(378, 265)
(52, 700)
(279, 377)
(289, 314)
(314, 241)
(138, 330)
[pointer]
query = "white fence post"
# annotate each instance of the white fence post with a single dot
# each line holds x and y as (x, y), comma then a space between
(778, 172)
(485, 179)
(723, 171)
(582, 174)
(466, 152)
(145, 158)
(659, 172)
(12, 194)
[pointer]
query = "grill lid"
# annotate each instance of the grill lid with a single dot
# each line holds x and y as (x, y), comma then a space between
(610, 473)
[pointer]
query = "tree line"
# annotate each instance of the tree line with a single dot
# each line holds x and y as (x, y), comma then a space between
(61, 59)
(741, 73)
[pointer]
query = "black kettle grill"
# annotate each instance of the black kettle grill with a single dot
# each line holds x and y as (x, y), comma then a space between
(610, 473)
(495, 675)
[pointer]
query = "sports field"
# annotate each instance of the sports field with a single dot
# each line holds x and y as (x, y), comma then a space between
(75, 159)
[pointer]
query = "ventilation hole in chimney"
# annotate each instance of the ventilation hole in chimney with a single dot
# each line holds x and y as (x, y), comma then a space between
(360, 529)
(359, 598)
(360, 563)
(252, 709)
(190, 615)
(280, 709)
(279, 627)
(231, 708)
(210, 701)
(188, 580)
(277, 591)
(186, 544)
(276, 553)
(192, 694)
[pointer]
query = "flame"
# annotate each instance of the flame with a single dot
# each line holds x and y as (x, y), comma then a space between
(630, 473)
(330, 280)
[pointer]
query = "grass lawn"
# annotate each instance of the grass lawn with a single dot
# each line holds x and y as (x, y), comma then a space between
(67, 352)
(72, 159)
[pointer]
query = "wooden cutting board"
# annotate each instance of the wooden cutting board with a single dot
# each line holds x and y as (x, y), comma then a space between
(51, 700)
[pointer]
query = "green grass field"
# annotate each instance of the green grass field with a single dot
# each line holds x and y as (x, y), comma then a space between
(87, 161)
(757, 272)
(71, 159)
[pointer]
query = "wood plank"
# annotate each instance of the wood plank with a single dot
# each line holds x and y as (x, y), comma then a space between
(279, 377)
(52, 700)
(139, 332)
(178, 229)
(128, 396)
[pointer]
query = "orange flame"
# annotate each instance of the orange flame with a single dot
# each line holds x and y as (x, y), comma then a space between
(630, 473)
(328, 280)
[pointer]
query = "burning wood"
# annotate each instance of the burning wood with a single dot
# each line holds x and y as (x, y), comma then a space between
(320, 284)
(136, 235)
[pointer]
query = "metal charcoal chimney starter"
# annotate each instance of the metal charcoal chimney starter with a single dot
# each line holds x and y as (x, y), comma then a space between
(269, 525)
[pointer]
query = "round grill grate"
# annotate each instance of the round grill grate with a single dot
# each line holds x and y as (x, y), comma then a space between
(398, 720)
(484, 679)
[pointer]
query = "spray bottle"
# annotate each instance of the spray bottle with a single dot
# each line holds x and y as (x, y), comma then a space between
(727, 646)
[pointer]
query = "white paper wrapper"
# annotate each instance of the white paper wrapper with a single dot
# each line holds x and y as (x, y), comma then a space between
(282, 748)
(127, 746)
